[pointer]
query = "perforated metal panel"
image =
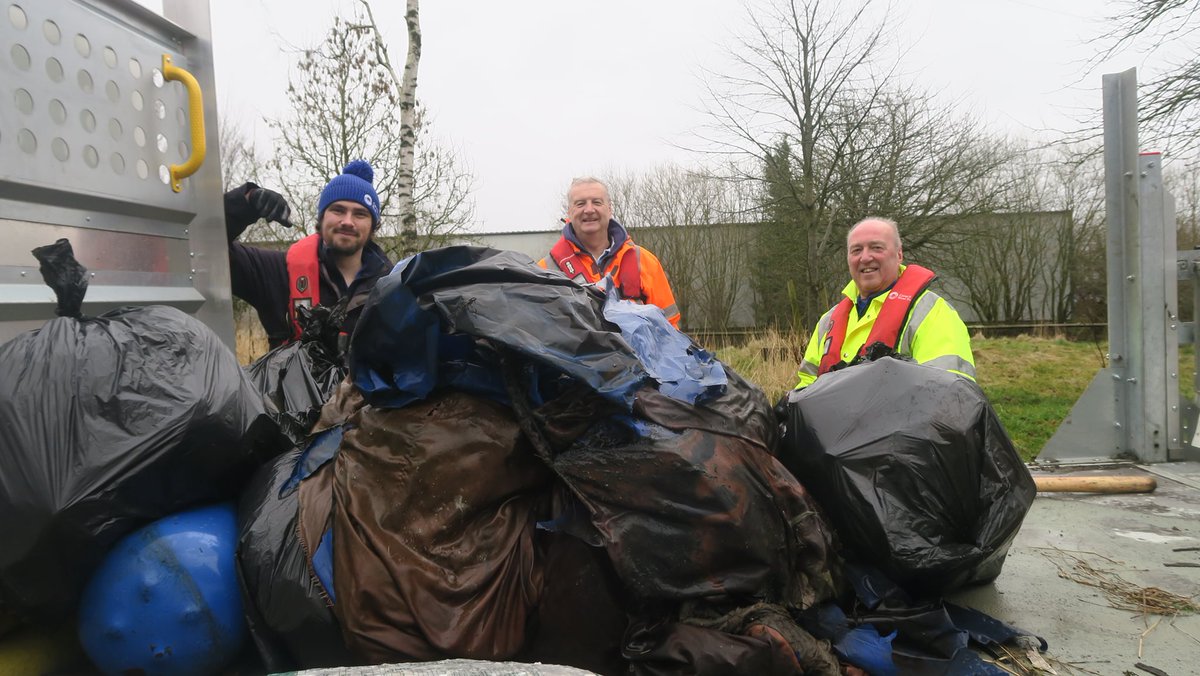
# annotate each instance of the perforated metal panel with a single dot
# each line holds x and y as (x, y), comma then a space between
(88, 129)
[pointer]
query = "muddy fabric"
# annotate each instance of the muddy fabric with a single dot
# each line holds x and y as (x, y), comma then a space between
(433, 520)
(689, 513)
(773, 624)
(490, 366)
(669, 648)
(582, 615)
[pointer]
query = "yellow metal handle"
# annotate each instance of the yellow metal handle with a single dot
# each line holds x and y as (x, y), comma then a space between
(196, 113)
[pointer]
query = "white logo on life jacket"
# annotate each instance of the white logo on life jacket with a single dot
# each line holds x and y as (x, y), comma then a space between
(901, 296)
(570, 268)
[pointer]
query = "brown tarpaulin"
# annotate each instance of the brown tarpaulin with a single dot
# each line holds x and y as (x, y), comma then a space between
(433, 506)
(433, 512)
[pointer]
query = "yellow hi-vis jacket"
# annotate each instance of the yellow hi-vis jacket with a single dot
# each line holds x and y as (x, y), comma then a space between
(934, 335)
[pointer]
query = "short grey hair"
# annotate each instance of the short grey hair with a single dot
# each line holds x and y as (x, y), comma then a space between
(585, 180)
(887, 221)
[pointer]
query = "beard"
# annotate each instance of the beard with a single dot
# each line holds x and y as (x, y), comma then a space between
(341, 247)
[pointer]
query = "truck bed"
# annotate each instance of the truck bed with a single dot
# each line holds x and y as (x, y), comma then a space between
(1125, 541)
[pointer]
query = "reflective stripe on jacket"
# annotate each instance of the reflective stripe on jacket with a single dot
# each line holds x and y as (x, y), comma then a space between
(934, 335)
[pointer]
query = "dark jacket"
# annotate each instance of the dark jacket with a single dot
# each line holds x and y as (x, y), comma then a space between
(260, 276)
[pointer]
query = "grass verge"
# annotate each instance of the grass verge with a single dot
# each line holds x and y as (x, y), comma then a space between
(1031, 382)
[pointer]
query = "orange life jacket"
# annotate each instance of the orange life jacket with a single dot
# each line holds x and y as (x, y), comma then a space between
(629, 273)
(892, 316)
(304, 278)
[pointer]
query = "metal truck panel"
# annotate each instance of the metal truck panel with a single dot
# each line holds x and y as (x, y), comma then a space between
(89, 128)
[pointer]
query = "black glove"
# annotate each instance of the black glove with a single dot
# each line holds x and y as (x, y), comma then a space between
(270, 206)
(781, 409)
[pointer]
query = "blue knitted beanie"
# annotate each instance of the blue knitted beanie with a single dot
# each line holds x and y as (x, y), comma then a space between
(354, 184)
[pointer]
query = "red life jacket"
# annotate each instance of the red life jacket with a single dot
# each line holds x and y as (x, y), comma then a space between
(892, 316)
(304, 278)
(629, 273)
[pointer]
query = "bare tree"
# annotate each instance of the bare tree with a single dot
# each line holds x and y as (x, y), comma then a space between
(1040, 253)
(1078, 285)
(799, 60)
(347, 103)
(925, 166)
(1165, 33)
(241, 162)
(693, 220)
(835, 139)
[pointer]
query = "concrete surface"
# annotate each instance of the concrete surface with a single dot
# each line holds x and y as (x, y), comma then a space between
(1133, 536)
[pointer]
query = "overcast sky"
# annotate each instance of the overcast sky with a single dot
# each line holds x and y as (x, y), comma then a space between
(533, 93)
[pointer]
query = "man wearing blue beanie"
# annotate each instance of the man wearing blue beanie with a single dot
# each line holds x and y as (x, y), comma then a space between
(339, 263)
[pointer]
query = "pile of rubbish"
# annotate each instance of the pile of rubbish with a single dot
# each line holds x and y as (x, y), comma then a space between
(509, 467)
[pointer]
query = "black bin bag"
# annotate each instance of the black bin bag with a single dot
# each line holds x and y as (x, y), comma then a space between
(106, 424)
(291, 623)
(914, 469)
(299, 377)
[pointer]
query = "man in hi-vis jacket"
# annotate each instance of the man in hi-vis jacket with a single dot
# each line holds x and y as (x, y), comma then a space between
(887, 302)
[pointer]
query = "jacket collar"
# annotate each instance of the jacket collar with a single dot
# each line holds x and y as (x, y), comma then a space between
(617, 236)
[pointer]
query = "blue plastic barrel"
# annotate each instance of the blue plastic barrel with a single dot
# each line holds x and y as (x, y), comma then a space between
(166, 600)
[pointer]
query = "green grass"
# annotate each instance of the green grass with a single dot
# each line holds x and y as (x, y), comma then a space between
(1031, 382)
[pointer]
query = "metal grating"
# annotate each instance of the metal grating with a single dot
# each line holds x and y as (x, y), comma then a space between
(88, 129)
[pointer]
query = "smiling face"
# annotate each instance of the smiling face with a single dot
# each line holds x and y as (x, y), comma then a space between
(874, 254)
(346, 227)
(589, 211)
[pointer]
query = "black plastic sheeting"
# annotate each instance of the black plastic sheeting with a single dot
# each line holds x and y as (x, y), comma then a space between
(662, 456)
(415, 331)
(657, 478)
(914, 470)
(106, 424)
(290, 621)
(298, 378)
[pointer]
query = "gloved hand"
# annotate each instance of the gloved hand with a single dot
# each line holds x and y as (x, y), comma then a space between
(270, 206)
(780, 409)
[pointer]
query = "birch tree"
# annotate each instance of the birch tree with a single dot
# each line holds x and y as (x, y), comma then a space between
(405, 184)
(348, 103)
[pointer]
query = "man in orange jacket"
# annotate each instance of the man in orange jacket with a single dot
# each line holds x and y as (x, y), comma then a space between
(594, 245)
